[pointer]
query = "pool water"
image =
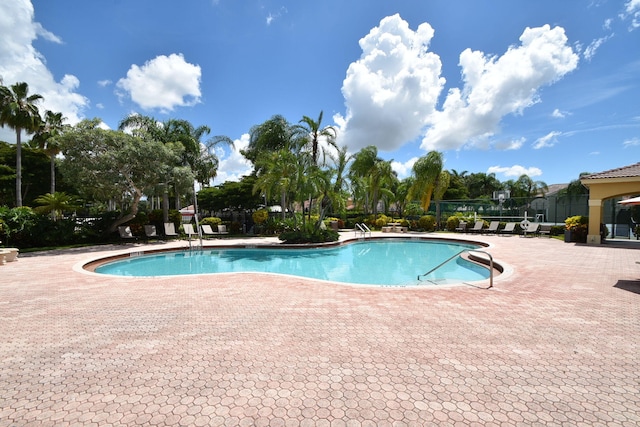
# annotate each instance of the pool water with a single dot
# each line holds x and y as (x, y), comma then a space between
(390, 262)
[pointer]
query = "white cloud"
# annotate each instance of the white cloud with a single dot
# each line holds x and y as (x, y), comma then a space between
(515, 171)
(632, 10)
(273, 16)
(391, 90)
(104, 83)
(233, 165)
(498, 86)
(21, 62)
(590, 51)
(549, 140)
(559, 114)
(633, 142)
(513, 144)
(403, 169)
(163, 83)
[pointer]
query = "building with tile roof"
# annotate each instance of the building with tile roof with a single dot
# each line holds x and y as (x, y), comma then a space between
(623, 181)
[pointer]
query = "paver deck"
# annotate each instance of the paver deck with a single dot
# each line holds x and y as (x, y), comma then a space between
(556, 342)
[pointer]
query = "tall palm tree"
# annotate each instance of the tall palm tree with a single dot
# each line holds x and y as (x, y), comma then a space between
(316, 131)
(375, 171)
(280, 175)
(427, 171)
(19, 111)
(51, 127)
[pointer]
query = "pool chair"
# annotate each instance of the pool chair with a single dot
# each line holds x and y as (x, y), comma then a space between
(531, 230)
(125, 233)
(462, 227)
(222, 229)
(510, 228)
(477, 227)
(207, 230)
(188, 230)
(493, 227)
(151, 232)
(170, 230)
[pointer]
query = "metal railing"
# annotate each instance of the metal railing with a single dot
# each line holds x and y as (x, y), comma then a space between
(362, 229)
(457, 255)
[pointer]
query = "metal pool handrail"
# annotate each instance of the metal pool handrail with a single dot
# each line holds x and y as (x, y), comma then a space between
(363, 229)
(458, 254)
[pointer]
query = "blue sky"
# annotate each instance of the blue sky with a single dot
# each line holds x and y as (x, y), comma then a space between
(547, 88)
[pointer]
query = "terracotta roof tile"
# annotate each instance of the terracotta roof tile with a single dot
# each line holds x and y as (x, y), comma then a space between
(623, 172)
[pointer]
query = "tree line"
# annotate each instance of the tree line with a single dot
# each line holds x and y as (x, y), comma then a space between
(296, 165)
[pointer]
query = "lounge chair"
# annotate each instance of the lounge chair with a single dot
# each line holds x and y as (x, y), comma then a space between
(188, 230)
(531, 229)
(170, 230)
(207, 230)
(477, 227)
(493, 227)
(222, 229)
(151, 232)
(510, 228)
(125, 232)
(545, 229)
(462, 227)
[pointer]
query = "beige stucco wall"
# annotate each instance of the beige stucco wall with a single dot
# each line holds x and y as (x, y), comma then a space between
(601, 189)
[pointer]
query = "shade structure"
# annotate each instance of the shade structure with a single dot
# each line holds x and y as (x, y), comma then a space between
(630, 202)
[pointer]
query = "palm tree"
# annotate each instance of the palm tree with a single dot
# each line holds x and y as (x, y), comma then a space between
(45, 137)
(19, 111)
(55, 204)
(427, 171)
(315, 132)
(280, 174)
(376, 172)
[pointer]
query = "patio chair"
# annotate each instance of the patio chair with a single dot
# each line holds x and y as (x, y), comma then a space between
(531, 229)
(188, 230)
(125, 233)
(170, 230)
(222, 229)
(207, 230)
(462, 227)
(493, 227)
(510, 228)
(545, 229)
(477, 227)
(151, 232)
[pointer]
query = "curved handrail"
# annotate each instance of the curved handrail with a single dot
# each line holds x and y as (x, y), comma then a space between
(458, 254)
(362, 228)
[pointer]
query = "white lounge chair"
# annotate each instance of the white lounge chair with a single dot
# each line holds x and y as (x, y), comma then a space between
(188, 230)
(510, 228)
(493, 227)
(207, 230)
(222, 229)
(170, 230)
(477, 227)
(150, 232)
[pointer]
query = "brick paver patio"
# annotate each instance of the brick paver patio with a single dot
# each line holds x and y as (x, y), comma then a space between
(553, 343)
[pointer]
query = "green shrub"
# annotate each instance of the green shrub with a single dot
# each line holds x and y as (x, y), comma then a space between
(260, 216)
(427, 223)
(211, 220)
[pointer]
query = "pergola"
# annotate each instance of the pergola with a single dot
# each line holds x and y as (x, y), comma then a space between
(624, 181)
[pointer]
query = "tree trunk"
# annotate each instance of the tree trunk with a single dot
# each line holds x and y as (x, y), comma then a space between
(53, 174)
(165, 203)
(137, 195)
(18, 168)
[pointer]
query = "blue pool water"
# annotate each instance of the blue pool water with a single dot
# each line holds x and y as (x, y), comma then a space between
(392, 262)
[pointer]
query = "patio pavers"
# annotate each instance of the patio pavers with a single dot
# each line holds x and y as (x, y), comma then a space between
(553, 343)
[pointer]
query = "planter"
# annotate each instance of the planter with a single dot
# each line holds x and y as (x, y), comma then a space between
(568, 236)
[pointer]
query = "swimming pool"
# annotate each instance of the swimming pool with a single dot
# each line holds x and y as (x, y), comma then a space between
(387, 262)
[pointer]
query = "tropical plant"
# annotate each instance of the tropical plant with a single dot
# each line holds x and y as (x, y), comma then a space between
(45, 138)
(375, 173)
(429, 179)
(55, 204)
(317, 132)
(19, 111)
